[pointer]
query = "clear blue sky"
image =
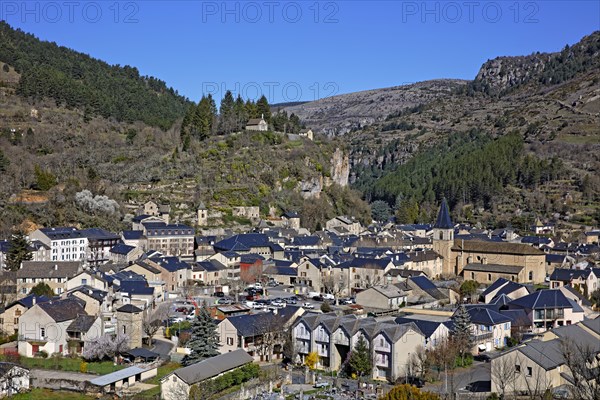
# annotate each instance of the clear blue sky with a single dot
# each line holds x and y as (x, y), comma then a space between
(320, 48)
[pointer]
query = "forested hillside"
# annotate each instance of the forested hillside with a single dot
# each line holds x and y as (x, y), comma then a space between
(522, 137)
(76, 80)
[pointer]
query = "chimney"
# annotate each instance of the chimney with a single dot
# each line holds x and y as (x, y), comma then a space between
(33, 301)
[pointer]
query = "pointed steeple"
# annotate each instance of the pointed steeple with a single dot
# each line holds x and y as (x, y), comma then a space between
(443, 219)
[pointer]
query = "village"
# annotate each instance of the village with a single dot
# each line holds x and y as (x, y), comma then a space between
(448, 308)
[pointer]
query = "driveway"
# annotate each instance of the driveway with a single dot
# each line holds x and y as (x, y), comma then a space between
(162, 346)
(478, 378)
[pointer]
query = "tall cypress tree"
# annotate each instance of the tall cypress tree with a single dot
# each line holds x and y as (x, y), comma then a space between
(204, 341)
(241, 114)
(18, 251)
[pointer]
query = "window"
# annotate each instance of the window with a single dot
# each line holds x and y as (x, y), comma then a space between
(490, 277)
(529, 371)
(124, 329)
(530, 275)
(42, 332)
(84, 281)
(517, 368)
(229, 341)
(473, 275)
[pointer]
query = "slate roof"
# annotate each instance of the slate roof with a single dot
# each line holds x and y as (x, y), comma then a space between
(94, 293)
(162, 229)
(147, 266)
(243, 242)
(82, 323)
(248, 325)
(98, 234)
(62, 232)
(495, 247)
(539, 240)
(306, 241)
(122, 248)
(277, 270)
(133, 235)
(389, 291)
(171, 264)
(212, 367)
(368, 263)
(251, 258)
(494, 268)
(49, 269)
(428, 328)
(542, 299)
(567, 274)
(518, 317)
(485, 316)
(63, 310)
(28, 301)
(129, 308)
(555, 258)
(140, 288)
(443, 220)
(547, 355)
(211, 265)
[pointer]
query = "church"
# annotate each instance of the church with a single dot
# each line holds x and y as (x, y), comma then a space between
(484, 261)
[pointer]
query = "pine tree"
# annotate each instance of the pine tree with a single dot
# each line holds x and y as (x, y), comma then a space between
(228, 120)
(241, 114)
(263, 109)
(360, 359)
(461, 333)
(18, 251)
(204, 341)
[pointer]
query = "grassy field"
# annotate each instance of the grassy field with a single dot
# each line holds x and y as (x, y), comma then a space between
(70, 364)
(47, 394)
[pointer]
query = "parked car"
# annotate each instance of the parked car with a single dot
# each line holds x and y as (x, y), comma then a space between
(219, 294)
(327, 296)
(308, 306)
(317, 298)
(322, 384)
(278, 303)
(482, 357)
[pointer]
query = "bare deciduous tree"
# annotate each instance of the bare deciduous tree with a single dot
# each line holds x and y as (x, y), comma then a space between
(583, 362)
(504, 373)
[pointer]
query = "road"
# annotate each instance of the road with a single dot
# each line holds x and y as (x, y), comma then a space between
(478, 377)
(162, 346)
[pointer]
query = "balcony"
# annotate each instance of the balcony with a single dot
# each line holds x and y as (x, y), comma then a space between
(483, 337)
(322, 338)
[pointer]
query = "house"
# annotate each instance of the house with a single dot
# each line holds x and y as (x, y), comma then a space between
(489, 273)
(174, 272)
(386, 297)
(422, 290)
(542, 228)
(122, 253)
(97, 302)
(135, 238)
(332, 337)
(87, 278)
(55, 274)
(99, 242)
(257, 124)
(343, 225)
(505, 287)
(66, 243)
(13, 379)
(156, 210)
(210, 272)
(307, 133)
(548, 309)
(584, 280)
(177, 384)
(424, 260)
(490, 329)
(287, 275)
(256, 243)
(261, 335)
(45, 327)
(435, 329)
(291, 219)
(9, 318)
(361, 273)
(169, 239)
(540, 365)
(591, 237)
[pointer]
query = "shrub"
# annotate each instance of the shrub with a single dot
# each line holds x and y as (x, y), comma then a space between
(83, 367)
(42, 354)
